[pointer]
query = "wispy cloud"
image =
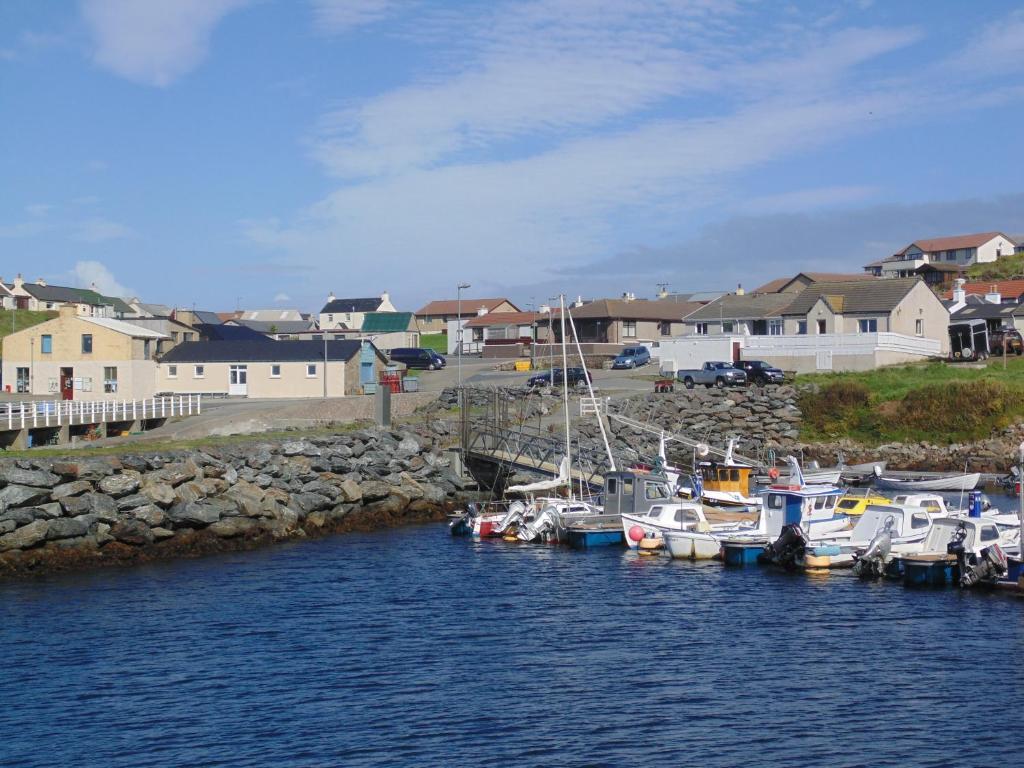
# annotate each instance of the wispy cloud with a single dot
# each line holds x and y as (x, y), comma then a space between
(804, 200)
(153, 43)
(100, 231)
(280, 297)
(340, 16)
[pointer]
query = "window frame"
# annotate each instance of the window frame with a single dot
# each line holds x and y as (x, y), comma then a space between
(172, 371)
(198, 371)
(86, 341)
(309, 367)
(275, 370)
(46, 344)
(629, 329)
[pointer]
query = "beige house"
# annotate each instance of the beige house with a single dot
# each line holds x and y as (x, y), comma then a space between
(959, 250)
(88, 302)
(436, 316)
(270, 369)
(622, 322)
(83, 358)
(349, 313)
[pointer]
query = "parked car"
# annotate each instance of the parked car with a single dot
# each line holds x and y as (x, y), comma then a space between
(713, 374)
(1005, 338)
(412, 357)
(759, 372)
(632, 357)
(577, 378)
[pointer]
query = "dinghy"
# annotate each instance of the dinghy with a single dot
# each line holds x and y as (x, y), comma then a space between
(928, 482)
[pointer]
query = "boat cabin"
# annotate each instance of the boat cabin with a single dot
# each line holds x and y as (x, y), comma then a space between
(930, 502)
(980, 534)
(806, 504)
(725, 478)
(907, 522)
(634, 492)
(689, 518)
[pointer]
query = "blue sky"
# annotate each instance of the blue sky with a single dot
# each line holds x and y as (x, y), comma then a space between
(265, 152)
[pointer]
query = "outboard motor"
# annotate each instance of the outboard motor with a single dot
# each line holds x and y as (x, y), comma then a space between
(463, 526)
(986, 568)
(540, 527)
(513, 516)
(871, 564)
(786, 549)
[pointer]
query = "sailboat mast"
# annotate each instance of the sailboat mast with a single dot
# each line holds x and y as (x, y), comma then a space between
(565, 391)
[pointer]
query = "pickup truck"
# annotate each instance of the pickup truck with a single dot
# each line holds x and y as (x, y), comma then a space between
(713, 374)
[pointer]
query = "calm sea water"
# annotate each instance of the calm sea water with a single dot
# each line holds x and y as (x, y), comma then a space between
(411, 648)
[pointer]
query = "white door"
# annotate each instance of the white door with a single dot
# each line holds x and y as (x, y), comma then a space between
(824, 360)
(239, 380)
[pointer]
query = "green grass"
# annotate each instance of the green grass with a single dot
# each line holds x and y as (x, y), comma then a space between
(435, 341)
(23, 319)
(1005, 268)
(931, 402)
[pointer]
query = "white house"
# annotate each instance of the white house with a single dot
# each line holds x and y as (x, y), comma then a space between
(349, 313)
(960, 250)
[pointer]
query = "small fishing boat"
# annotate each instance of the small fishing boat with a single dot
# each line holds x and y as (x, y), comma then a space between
(647, 505)
(928, 482)
(881, 530)
(726, 483)
(855, 503)
(964, 551)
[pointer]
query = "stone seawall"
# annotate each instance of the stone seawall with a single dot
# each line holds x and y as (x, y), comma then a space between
(68, 513)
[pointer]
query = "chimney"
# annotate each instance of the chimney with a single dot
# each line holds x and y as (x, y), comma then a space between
(40, 281)
(331, 297)
(739, 289)
(18, 282)
(384, 297)
(578, 302)
(993, 296)
(481, 311)
(545, 309)
(959, 294)
(67, 310)
(628, 296)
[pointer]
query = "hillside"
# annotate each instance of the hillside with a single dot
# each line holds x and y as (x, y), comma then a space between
(1006, 268)
(22, 318)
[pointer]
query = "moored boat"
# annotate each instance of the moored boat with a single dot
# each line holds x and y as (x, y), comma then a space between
(928, 482)
(962, 551)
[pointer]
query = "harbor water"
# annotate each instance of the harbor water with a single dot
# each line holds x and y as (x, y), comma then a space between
(408, 647)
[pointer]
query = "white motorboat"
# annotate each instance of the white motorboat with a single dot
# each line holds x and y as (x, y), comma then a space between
(928, 482)
(964, 551)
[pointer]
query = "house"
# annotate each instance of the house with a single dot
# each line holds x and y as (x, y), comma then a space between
(961, 250)
(390, 330)
(178, 332)
(7, 299)
(751, 314)
(995, 291)
(435, 316)
(801, 280)
(39, 296)
(498, 334)
(349, 313)
(270, 369)
(974, 307)
(275, 329)
(74, 357)
(605, 326)
(846, 325)
(939, 276)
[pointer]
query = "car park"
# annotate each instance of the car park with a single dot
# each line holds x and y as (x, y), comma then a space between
(632, 357)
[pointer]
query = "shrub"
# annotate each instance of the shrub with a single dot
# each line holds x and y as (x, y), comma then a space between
(960, 410)
(836, 408)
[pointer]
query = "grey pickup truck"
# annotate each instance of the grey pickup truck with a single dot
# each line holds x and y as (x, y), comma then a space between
(713, 374)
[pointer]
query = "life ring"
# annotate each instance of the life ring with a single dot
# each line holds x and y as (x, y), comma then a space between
(773, 474)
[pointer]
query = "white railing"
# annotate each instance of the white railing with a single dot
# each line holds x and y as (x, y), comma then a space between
(843, 344)
(591, 406)
(59, 413)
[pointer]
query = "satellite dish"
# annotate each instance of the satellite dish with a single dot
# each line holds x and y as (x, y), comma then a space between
(703, 449)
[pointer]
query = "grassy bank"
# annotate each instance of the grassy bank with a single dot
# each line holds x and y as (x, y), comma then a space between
(22, 319)
(932, 402)
(435, 341)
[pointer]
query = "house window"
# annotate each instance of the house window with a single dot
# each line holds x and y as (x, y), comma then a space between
(801, 327)
(821, 326)
(665, 328)
(172, 371)
(49, 305)
(145, 349)
(701, 329)
(330, 318)
(775, 327)
(919, 327)
(478, 334)
(311, 370)
(110, 379)
(629, 329)
(727, 326)
(46, 344)
(86, 343)
(868, 325)
(275, 371)
(199, 372)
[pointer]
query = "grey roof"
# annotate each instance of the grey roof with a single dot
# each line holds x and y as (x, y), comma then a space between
(221, 332)
(371, 304)
(206, 318)
(260, 351)
(273, 326)
(747, 306)
(156, 310)
(857, 296)
(979, 309)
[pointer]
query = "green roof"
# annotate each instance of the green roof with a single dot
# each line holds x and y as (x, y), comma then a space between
(386, 322)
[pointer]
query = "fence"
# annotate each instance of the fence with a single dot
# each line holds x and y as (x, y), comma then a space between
(59, 413)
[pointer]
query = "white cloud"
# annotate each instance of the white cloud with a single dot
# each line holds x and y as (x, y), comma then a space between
(90, 273)
(38, 210)
(282, 297)
(153, 43)
(100, 231)
(340, 16)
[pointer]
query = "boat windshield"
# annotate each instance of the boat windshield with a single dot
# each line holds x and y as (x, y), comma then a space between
(655, 490)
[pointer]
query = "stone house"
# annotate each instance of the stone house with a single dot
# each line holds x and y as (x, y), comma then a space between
(83, 358)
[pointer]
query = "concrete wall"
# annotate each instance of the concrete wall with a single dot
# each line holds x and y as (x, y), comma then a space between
(292, 382)
(921, 304)
(694, 351)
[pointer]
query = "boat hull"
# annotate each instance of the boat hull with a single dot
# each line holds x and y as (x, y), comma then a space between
(741, 554)
(590, 538)
(691, 545)
(953, 483)
(921, 573)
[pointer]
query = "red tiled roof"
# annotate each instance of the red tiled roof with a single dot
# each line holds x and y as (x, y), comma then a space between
(469, 306)
(815, 277)
(1009, 289)
(502, 318)
(773, 286)
(957, 241)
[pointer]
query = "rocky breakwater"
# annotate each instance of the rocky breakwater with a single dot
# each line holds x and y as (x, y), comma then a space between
(759, 417)
(76, 512)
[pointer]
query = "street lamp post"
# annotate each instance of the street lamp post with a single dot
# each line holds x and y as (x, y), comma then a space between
(458, 295)
(325, 365)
